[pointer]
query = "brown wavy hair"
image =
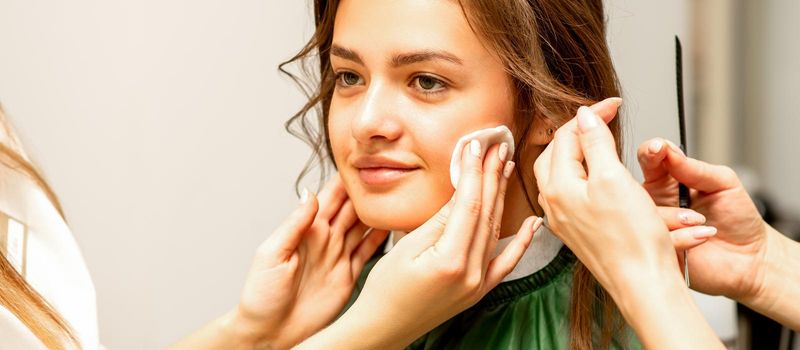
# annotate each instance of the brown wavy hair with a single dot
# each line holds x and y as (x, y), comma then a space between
(16, 294)
(557, 57)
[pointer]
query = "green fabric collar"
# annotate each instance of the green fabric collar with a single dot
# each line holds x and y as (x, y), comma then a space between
(510, 290)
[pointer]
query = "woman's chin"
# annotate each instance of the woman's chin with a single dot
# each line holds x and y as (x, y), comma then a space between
(394, 217)
(392, 223)
(403, 208)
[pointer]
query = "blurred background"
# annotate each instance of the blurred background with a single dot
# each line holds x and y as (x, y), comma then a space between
(160, 126)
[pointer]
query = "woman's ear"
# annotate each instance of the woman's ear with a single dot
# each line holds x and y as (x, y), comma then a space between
(541, 132)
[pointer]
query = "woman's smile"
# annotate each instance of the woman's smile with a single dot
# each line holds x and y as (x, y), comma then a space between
(382, 176)
(382, 171)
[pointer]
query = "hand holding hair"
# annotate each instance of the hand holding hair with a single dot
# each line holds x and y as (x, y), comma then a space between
(612, 225)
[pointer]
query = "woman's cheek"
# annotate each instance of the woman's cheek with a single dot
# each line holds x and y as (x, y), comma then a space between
(338, 136)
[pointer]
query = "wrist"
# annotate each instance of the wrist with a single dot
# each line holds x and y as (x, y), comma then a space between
(245, 332)
(638, 288)
(663, 314)
(775, 291)
(766, 262)
(639, 274)
(361, 328)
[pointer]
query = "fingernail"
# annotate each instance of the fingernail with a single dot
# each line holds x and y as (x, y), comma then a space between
(508, 169)
(616, 100)
(503, 152)
(475, 148)
(675, 148)
(704, 232)
(304, 196)
(689, 217)
(586, 119)
(656, 146)
(537, 223)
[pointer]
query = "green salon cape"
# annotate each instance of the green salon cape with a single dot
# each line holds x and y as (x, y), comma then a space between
(526, 313)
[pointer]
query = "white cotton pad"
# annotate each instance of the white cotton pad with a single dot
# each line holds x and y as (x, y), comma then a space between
(487, 138)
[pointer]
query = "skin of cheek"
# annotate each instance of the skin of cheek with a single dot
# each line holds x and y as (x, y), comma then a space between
(430, 132)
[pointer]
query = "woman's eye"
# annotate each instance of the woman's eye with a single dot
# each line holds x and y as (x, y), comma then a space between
(349, 79)
(429, 84)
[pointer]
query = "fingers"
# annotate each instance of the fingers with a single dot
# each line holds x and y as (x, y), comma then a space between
(344, 220)
(285, 239)
(467, 208)
(365, 249)
(596, 142)
(541, 167)
(499, 206)
(700, 175)
(677, 218)
(430, 232)
(690, 237)
(659, 157)
(651, 155)
(607, 109)
(566, 158)
(331, 198)
(488, 225)
(504, 263)
(354, 236)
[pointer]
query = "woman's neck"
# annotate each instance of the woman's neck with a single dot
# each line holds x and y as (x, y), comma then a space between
(516, 208)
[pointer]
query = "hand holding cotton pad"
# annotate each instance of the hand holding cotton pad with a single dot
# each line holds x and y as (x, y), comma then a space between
(487, 138)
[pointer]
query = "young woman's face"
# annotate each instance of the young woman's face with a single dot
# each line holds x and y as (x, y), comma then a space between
(412, 77)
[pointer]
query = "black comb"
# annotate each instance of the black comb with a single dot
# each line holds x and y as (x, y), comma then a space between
(684, 200)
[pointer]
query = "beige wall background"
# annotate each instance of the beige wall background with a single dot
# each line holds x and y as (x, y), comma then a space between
(160, 125)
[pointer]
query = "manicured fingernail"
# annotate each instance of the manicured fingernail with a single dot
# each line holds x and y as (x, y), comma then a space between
(689, 217)
(617, 100)
(704, 232)
(304, 196)
(537, 223)
(475, 148)
(656, 146)
(586, 119)
(503, 152)
(508, 169)
(675, 148)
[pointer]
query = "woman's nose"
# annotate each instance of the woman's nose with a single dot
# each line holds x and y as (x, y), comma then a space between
(377, 119)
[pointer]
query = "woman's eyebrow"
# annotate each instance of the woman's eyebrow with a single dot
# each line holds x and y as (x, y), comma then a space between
(424, 55)
(345, 53)
(399, 59)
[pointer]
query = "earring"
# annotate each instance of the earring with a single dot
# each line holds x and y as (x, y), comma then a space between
(551, 131)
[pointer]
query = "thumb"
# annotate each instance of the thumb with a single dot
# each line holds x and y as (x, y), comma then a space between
(597, 143)
(698, 174)
(429, 233)
(290, 233)
(607, 109)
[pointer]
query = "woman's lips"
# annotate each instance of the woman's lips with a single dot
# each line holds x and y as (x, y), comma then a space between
(383, 175)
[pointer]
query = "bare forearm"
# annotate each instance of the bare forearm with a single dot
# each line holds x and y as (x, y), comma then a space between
(354, 331)
(663, 314)
(780, 289)
(223, 333)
